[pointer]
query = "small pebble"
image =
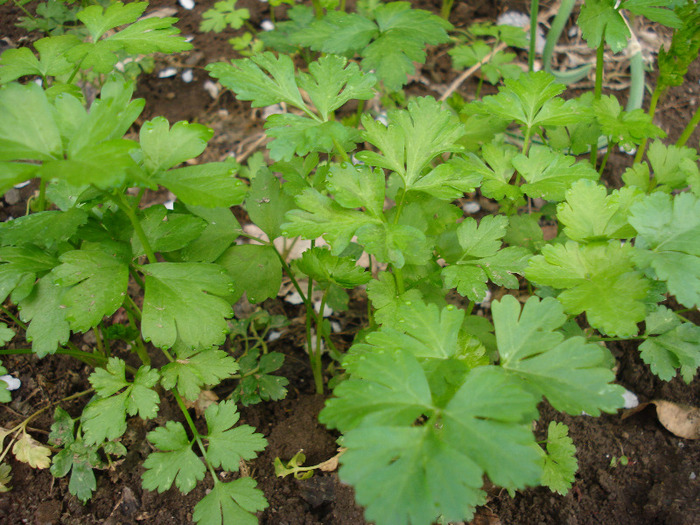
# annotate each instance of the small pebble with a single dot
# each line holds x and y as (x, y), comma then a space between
(186, 4)
(12, 382)
(187, 76)
(211, 88)
(276, 109)
(631, 399)
(471, 207)
(267, 25)
(12, 196)
(167, 72)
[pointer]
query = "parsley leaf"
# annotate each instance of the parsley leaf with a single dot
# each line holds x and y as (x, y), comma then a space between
(192, 370)
(164, 147)
(16, 63)
(598, 279)
(229, 446)
(598, 20)
(328, 269)
(413, 138)
(173, 292)
(230, 503)
(676, 345)
(48, 327)
(175, 461)
(386, 299)
(22, 265)
(570, 373)
(560, 464)
(256, 270)
(668, 244)
(496, 170)
(357, 186)
(223, 14)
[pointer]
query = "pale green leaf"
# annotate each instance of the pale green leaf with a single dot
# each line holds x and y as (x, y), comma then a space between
(164, 147)
(193, 370)
(255, 269)
(560, 464)
(229, 446)
(211, 184)
(42, 309)
(233, 503)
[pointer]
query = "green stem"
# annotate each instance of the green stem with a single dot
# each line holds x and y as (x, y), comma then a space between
(130, 306)
(597, 92)
(121, 202)
(446, 8)
(21, 8)
(136, 277)
(605, 159)
(341, 150)
(598, 339)
(195, 433)
(318, 8)
(13, 317)
(655, 97)
(398, 274)
(534, 11)
(316, 364)
(688, 131)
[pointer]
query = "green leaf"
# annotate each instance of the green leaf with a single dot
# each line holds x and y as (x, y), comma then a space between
(598, 279)
(13, 173)
(166, 232)
(327, 269)
(7, 334)
(177, 463)
(104, 419)
(448, 181)
(28, 130)
(404, 32)
(255, 269)
(248, 78)
(627, 128)
(548, 174)
(674, 167)
(297, 135)
(45, 228)
(337, 32)
(357, 187)
(221, 232)
(496, 170)
(173, 292)
(164, 147)
(386, 299)
(258, 383)
(591, 215)
(677, 345)
(222, 15)
(669, 242)
(655, 10)
(600, 20)
(320, 216)
(560, 463)
(22, 265)
(398, 244)
(48, 327)
(193, 370)
(570, 373)
(28, 450)
(16, 63)
(229, 446)
(267, 203)
(413, 138)
(530, 100)
(482, 258)
(211, 184)
(233, 503)
(98, 283)
(99, 21)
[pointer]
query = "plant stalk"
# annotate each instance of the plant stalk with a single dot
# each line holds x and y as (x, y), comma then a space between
(534, 11)
(597, 92)
(688, 131)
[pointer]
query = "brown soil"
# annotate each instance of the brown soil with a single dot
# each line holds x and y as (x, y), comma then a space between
(659, 485)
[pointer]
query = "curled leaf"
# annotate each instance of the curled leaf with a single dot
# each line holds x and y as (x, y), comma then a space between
(30, 451)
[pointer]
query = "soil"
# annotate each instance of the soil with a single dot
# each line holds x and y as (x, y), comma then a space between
(658, 485)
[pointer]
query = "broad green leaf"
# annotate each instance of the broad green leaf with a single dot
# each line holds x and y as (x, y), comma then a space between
(398, 244)
(627, 128)
(598, 279)
(601, 21)
(677, 346)
(221, 232)
(655, 10)
(45, 229)
(176, 463)
(173, 292)
(525, 230)
(211, 184)
(413, 138)
(229, 446)
(223, 14)
(104, 418)
(570, 373)
(357, 187)
(28, 130)
(21, 268)
(193, 370)
(15, 63)
(298, 135)
(267, 204)
(386, 298)
(233, 503)
(337, 32)
(669, 242)
(560, 464)
(320, 216)
(327, 269)
(263, 79)
(548, 174)
(448, 181)
(255, 269)
(530, 100)
(496, 170)
(164, 147)
(166, 232)
(591, 215)
(674, 167)
(332, 82)
(404, 33)
(482, 258)
(99, 21)
(98, 283)
(48, 327)
(13, 173)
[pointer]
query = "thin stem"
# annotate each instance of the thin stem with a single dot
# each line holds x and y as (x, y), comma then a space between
(21, 7)
(605, 159)
(688, 131)
(597, 92)
(446, 8)
(598, 339)
(341, 150)
(655, 97)
(316, 360)
(318, 8)
(120, 201)
(398, 274)
(469, 72)
(195, 433)
(13, 317)
(136, 276)
(534, 11)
